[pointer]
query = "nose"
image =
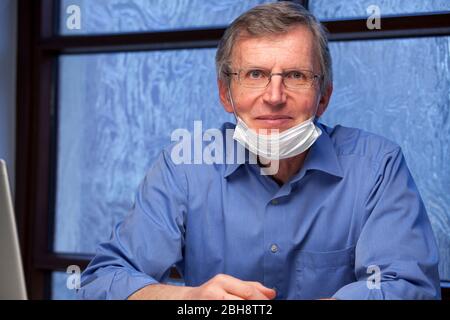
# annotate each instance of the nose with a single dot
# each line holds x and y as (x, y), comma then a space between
(275, 92)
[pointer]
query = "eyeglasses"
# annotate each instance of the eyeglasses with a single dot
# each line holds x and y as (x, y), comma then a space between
(260, 79)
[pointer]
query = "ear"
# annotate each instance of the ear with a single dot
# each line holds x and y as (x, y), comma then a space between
(324, 100)
(223, 94)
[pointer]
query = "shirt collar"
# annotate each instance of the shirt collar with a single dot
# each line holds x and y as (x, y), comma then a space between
(232, 167)
(322, 156)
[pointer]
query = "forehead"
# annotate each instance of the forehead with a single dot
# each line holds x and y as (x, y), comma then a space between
(293, 49)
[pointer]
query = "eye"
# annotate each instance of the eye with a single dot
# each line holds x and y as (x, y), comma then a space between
(255, 74)
(296, 75)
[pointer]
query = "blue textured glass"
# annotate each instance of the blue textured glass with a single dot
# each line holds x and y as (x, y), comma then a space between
(59, 287)
(117, 16)
(401, 89)
(8, 39)
(338, 9)
(116, 112)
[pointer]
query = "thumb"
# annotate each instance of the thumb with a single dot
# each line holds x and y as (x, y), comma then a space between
(268, 292)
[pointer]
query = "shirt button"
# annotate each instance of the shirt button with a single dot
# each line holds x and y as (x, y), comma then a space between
(274, 201)
(274, 248)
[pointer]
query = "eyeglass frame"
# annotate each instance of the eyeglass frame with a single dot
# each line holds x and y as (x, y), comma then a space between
(282, 74)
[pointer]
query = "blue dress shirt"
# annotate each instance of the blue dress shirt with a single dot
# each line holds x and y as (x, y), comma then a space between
(353, 209)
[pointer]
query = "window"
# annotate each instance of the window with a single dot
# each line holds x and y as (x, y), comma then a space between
(116, 112)
(340, 9)
(118, 16)
(98, 103)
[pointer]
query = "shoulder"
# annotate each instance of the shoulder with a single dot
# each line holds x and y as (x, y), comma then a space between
(201, 150)
(188, 146)
(361, 143)
(360, 152)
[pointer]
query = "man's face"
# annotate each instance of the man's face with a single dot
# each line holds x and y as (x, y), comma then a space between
(275, 107)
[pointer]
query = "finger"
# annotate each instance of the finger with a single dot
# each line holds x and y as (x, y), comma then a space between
(242, 289)
(228, 296)
(268, 292)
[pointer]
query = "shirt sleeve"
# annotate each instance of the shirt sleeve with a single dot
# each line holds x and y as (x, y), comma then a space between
(396, 239)
(149, 241)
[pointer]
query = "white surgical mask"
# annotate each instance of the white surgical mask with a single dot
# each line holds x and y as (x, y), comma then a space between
(275, 146)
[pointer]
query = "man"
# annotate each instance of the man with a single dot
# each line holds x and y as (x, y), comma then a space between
(340, 217)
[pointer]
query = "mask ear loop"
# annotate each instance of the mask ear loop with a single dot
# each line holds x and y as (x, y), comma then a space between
(232, 104)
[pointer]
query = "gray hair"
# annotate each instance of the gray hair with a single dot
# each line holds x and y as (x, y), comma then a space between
(274, 18)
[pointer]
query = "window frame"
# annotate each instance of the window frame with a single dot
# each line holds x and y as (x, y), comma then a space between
(40, 45)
